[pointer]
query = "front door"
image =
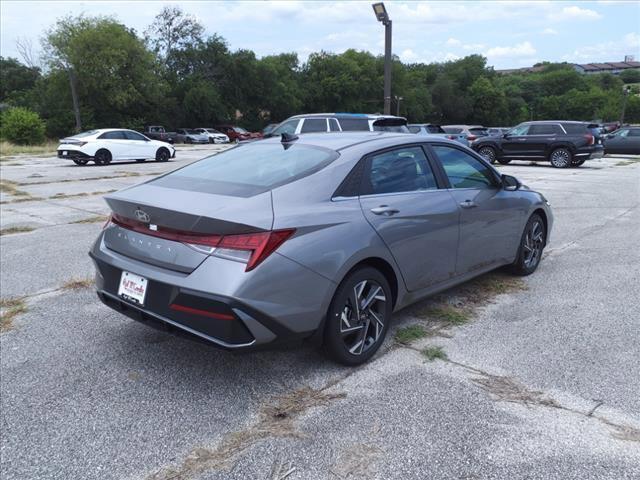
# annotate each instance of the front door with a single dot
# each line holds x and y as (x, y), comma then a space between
(490, 217)
(514, 142)
(417, 220)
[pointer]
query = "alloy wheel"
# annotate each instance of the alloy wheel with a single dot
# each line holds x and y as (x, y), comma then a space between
(362, 319)
(533, 244)
(560, 158)
(488, 153)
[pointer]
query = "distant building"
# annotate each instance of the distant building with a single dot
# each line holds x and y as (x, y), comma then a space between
(589, 68)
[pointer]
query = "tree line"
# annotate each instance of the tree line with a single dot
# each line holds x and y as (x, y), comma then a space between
(96, 72)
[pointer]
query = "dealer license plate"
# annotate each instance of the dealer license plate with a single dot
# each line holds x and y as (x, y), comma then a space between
(133, 287)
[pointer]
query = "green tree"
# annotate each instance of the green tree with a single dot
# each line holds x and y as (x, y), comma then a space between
(15, 78)
(22, 126)
(172, 30)
(630, 76)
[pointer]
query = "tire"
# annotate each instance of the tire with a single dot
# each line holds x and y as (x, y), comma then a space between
(102, 157)
(531, 246)
(188, 140)
(488, 153)
(352, 339)
(80, 161)
(561, 157)
(236, 140)
(577, 163)
(504, 161)
(162, 155)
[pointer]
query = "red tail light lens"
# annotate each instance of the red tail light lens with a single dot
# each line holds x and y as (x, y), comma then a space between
(590, 138)
(252, 248)
(258, 245)
(471, 138)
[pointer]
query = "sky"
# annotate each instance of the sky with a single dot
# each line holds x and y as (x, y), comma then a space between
(510, 34)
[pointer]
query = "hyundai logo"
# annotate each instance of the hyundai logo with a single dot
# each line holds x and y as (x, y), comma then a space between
(142, 216)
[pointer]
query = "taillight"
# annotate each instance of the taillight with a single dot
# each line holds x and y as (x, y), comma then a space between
(471, 138)
(450, 137)
(249, 248)
(253, 248)
(590, 138)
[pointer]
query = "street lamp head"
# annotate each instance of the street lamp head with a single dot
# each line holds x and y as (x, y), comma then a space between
(381, 12)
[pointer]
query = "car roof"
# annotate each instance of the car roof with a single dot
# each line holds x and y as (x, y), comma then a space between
(577, 122)
(464, 126)
(343, 140)
(368, 116)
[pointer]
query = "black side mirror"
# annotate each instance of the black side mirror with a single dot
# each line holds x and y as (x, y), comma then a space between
(510, 183)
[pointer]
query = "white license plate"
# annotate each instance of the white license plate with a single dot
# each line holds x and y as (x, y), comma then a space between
(65, 152)
(132, 287)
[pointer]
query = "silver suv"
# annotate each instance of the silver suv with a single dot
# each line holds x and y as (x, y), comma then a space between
(340, 122)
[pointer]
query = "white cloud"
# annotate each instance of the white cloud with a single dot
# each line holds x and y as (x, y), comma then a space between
(614, 51)
(452, 42)
(549, 31)
(409, 56)
(476, 47)
(574, 13)
(450, 57)
(524, 49)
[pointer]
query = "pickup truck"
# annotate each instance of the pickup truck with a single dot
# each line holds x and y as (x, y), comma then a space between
(156, 132)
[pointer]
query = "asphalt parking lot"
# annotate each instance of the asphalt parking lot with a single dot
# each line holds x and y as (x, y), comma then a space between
(539, 378)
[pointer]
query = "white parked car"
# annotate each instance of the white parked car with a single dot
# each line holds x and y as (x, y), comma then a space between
(214, 135)
(107, 144)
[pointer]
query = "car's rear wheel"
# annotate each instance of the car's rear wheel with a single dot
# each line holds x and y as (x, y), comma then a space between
(504, 161)
(489, 154)
(560, 157)
(531, 246)
(162, 155)
(102, 157)
(80, 161)
(358, 317)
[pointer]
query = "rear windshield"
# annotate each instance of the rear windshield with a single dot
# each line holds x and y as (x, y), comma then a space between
(249, 169)
(391, 128)
(452, 129)
(480, 132)
(435, 129)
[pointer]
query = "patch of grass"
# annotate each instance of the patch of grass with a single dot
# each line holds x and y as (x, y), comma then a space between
(624, 163)
(77, 284)
(8, 149)
(507, 389)
(446, 313)
(59, 196)
(10, 188)
(9, 309)
(410, 333)
(95, 219)
(12, 230)
(433, 353)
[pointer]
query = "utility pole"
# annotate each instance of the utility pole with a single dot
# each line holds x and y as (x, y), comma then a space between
(398, 100)
(382, 16)
(625, 95)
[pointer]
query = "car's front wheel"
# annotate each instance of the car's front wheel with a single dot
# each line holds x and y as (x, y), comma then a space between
(489, 154)
(102, 157)
(560, 158)
(162, 155)
(358, 317)
(531, 247)
(504, 161)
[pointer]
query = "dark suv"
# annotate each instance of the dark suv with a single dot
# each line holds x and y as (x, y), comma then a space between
(563, 143)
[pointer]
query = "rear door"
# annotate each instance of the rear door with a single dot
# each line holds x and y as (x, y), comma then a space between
(539, 137)
(417, 220)
(490, 217)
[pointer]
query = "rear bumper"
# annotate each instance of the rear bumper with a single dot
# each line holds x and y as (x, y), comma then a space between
(72, 154)
(592, 153)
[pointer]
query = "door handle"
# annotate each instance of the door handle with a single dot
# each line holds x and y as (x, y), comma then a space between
(468, 204)
(385, 210)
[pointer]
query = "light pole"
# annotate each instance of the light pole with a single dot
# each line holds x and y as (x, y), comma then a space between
(382, 16)
(398, 100)
(625, 93)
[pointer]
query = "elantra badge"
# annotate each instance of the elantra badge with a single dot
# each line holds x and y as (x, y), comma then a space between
(142, 216)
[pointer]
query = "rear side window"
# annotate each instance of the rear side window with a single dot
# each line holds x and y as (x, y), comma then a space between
(354, 124)
(249, 169)
(119, 135)
(574, 128)
(634, 133)
(435, 129)
(414, 129)
(452, 130)
(314, 125)
(463, 170)
(333, 125)
(544, 129)
(402, 170)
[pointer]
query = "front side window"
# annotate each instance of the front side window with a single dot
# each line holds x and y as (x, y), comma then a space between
(521, 129)
(634, 133)
(622, 133)
(463, 170)
(310, 125)
(402, 170)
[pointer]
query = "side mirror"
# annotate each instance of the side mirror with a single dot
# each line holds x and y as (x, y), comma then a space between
(510, 183)
(505, 135)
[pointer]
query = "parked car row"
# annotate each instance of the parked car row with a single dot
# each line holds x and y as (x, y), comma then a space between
(224, 133)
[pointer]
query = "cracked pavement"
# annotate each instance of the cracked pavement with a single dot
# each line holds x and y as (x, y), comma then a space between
(542, 383)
